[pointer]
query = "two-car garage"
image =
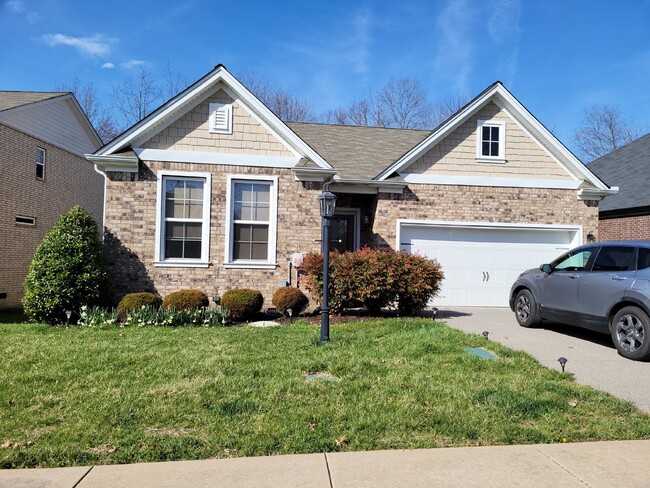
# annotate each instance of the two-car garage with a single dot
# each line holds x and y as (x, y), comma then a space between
(482, 260)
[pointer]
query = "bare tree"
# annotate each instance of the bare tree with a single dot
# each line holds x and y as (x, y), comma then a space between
(99, 116)
(173, 83)
(442, 109)
(338, 116)
(136, 96)
(285, 104)
(604, 130)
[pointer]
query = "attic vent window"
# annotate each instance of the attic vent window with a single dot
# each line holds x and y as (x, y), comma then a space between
(221, 118)
(491, 141)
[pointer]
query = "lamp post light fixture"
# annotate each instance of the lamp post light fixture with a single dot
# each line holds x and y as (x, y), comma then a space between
(486, 334)
(290, 312)
(68, 314)
(562, 360)
(327, 201)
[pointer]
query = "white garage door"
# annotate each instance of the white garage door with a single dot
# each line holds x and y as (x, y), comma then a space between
(481, 262)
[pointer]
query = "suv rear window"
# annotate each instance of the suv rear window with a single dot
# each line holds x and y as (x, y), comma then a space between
(614, 258)
(644, 258)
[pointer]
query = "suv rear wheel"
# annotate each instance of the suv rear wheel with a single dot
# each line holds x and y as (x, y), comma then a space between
(526, 308)
(631, 333)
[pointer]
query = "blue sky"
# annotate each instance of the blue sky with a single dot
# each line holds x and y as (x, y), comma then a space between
(557, 57)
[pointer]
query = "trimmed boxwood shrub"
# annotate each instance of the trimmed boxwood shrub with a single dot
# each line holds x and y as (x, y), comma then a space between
(242, 303)
(290, 298)
(67, 271)
(135, 301)
(185, 300)
(376, 278)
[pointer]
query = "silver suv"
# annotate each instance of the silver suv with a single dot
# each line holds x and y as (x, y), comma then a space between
(603, 287)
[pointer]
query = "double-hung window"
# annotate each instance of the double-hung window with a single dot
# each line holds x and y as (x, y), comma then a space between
(491, 141)
(40, 163)
(250, 240)
(184, 219)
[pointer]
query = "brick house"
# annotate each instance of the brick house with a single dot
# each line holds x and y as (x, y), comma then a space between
(43, 139)
(212, 191)
(625, 215)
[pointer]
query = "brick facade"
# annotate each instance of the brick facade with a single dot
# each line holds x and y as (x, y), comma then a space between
(622, 228)
(69, 180)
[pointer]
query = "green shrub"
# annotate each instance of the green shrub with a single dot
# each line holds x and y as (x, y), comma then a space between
(185, 300)
(376, 278)
(67, 271)
(290, 298)
(135, 301)
(242, 303)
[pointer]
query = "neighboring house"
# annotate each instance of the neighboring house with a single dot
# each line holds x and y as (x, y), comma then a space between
(212, 191)
(43, 173)
(625, 215)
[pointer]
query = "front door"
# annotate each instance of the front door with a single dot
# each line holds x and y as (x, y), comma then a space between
(343, 232)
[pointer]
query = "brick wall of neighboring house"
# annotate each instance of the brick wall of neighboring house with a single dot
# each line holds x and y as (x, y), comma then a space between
(637, 227)
(69, 180)
(131, 223)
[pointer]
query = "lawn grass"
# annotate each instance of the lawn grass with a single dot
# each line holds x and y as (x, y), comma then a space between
(86, 396)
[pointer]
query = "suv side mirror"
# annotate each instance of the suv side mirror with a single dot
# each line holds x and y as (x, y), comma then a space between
(546, 268)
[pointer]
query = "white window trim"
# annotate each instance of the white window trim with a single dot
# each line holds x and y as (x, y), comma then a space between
(159, 259)
(501, 158)
(212, 128)
(40, 150)
(270, 263)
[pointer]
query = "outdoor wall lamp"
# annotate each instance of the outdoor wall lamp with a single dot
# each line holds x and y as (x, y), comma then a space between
(327, 201)
(591, 238)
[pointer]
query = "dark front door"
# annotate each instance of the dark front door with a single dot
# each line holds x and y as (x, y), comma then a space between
(342, 233)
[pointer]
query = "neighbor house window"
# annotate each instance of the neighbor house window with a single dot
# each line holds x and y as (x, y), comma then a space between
(220, 118)
(491, 139)
(252, 221)
(40, 163)
(184, 215)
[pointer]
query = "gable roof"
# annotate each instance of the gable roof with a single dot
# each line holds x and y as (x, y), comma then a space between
(14, 99)
(498, 94)
(628, 167)
(358, 152)
(219, 77)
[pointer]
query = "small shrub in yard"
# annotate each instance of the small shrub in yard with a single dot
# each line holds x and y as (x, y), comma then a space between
(68, 269)
(376, 278)
(290, 298)
(185, 300)
(242, 303)
(135, 301)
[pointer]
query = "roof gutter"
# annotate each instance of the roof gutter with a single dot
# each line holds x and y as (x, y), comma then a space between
(368, 186)
(123, 164)
(596, 193)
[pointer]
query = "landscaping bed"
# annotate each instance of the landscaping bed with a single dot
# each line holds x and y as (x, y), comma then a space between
(80, 396)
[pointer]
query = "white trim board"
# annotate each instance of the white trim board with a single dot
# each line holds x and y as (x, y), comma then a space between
(429, 179)
(577, 239)
(165, 155)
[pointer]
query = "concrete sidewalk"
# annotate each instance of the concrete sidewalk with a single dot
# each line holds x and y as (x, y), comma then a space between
(595, 465)
(592, 357)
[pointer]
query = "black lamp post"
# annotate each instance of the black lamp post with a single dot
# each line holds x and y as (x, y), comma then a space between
(327, 202)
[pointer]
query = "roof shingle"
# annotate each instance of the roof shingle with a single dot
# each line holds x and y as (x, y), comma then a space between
(13, 99)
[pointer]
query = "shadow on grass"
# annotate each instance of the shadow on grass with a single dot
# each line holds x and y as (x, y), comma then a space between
(12, 316)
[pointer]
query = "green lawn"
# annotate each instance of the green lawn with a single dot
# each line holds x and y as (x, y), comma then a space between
(86, 396)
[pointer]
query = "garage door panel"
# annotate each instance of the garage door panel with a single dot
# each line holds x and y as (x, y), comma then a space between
(480, 264)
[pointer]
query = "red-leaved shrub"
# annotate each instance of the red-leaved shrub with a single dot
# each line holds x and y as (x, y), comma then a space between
(376, 278)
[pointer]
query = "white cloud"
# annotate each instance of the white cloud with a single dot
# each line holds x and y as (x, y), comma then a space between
(133, 63)
(108, 66)
(17, 6)
(455, 46)
(97, 45)
(505, 32)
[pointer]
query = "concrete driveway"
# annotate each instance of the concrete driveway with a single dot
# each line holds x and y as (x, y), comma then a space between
(592, 357)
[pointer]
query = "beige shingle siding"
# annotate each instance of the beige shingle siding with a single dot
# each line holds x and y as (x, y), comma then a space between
(191, 133)
(69, 180)
(456, 154)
